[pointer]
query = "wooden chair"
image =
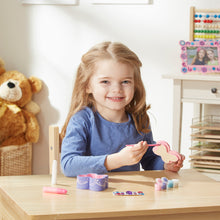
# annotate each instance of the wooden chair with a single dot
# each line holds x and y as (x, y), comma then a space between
(54, 147)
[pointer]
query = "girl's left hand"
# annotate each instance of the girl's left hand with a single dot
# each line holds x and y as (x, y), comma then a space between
(175, 166)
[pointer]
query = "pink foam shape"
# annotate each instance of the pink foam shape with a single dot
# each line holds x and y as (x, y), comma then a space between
(164, 143)
(175, 154)
(165, 153)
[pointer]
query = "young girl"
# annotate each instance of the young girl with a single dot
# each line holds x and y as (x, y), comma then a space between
(200, 58)
(212, 60)
(108, 112)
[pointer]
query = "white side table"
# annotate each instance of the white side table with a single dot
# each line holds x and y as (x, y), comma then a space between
(198, 89)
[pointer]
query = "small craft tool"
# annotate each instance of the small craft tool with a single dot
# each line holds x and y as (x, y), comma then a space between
(54, 173)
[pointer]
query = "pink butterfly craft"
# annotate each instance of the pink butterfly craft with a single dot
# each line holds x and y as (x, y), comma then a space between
(163, 150)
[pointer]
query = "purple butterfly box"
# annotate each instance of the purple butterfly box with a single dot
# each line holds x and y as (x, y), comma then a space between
(92, 181)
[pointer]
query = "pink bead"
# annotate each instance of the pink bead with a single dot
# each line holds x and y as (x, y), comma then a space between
(158, 180)
(157, 187)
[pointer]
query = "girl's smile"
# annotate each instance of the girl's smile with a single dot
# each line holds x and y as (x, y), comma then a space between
(115, 99)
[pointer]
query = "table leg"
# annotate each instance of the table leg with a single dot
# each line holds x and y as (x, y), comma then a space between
(177, 115)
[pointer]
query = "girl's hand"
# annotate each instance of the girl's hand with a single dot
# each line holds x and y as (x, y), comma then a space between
(129, 155)
(175, 166)
(132, 154)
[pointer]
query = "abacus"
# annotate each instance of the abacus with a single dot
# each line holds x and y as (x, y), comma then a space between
(204, 24)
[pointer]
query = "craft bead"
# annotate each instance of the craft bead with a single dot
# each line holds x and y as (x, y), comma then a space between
(116, 193)
(164, 186)
(157, 187)
(170, 184)
(158, 180)
(164, 179)
(175, 183)
(128, 193)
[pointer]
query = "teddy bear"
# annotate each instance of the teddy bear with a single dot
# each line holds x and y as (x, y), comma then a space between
(18, 123)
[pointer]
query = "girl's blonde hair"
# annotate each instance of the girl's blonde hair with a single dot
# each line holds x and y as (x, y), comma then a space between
(215, 58)
(119, 52)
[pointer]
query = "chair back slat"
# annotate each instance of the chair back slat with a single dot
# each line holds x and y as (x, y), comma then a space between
(54, 147)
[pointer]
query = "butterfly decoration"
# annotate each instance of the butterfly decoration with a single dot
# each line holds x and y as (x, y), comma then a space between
(167, 155)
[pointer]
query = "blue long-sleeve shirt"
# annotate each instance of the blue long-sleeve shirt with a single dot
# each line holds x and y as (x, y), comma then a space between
(90, 138)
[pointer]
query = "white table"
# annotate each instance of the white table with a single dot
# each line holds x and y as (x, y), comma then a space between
(198, 89)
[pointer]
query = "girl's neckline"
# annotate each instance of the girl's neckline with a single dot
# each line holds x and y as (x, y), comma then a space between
(111, 122)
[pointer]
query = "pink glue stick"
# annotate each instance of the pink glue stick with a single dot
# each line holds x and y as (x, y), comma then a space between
(49, 189)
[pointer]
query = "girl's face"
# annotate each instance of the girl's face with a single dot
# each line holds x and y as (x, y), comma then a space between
(201, 54)
(112, 86)
(210, 54)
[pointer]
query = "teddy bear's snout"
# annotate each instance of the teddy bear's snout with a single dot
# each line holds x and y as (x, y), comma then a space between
(10, 91)
(11, 85)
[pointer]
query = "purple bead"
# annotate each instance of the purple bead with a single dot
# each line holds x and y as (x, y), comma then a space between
(164, 186)
(128, 192)
(164, 179)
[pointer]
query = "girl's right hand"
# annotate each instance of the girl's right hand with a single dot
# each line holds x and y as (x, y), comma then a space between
(129, 155)
(132, 154)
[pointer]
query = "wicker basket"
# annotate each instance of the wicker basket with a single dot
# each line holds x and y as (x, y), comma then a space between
(16, 160)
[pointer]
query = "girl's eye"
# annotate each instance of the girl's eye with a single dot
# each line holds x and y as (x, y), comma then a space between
(105, 82)
(126, 82)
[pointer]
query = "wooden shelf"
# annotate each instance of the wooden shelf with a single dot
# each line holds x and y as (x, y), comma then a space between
(206, 144)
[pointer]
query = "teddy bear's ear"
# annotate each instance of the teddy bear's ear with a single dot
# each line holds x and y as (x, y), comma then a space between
(2, 66)
(36, 84)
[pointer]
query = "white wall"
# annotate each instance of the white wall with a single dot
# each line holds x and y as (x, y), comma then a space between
(48, 41)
